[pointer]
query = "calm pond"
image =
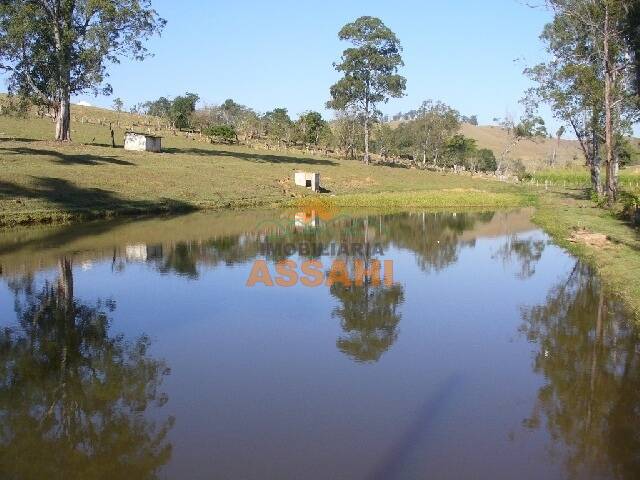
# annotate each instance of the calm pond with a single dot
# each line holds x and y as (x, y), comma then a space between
(408, 345)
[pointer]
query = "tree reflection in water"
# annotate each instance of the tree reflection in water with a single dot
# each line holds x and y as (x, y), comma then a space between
(526, 252)
(589, 357)
(72, 397)
(369, 316)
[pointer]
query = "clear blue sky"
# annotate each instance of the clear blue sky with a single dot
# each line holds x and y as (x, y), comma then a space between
(267, 54)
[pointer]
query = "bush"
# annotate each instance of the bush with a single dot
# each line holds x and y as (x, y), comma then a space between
(486, 160)
(630, 207)
(519, 170)
(15, 106)
(221, 133)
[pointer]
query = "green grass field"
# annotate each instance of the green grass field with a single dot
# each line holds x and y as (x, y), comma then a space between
(564, 213)
(579, 177)
(45, 181)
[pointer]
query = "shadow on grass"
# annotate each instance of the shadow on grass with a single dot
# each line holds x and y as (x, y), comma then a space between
(18, 139)
(107, 145)
(251, 157)
(66, 159)
(69, 199)
(391, 164)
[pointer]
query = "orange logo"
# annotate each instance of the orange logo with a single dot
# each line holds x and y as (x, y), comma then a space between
(312, 274)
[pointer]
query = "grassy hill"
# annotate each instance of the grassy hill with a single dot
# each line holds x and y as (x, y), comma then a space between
(534, 154)
(43, 180)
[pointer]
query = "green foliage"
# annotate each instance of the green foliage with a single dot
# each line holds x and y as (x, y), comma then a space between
(628, 154)
(15, 106)
(370, 67)
(181, 110)
(471, 120)
(310, 127)
(426, 137)
(486, 160)
(520, 170)
(52, 50)
(434, 126)
(459, 150)
(223, 133)
(370, 71)
(630, 206)
(118, 104)
(279, 125)
(157, 108)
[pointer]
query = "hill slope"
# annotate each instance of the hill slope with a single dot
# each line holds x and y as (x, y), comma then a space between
(534, 154)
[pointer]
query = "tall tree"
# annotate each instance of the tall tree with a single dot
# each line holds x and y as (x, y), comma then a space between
(118, 104)
(573, 91)
(599, 31)
(435, 124)
(369, 71)
(56, 48)
(310, 126)
(528, 127)
(182, 109)
(279, 125)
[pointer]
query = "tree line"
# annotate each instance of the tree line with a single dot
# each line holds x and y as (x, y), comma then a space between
(591, 80)
(53, 49)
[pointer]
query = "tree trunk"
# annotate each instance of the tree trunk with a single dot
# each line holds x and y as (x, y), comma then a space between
(63, 119)
(596, 178)
(366, 141)
(608, 117)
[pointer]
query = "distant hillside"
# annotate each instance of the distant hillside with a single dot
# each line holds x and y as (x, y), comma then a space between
(534, 154)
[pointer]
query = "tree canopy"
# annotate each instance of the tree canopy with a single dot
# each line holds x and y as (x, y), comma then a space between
(369, 71)
(53, 49)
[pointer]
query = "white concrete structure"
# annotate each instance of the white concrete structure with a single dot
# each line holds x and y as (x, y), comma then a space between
(142, 142)
(308, 180)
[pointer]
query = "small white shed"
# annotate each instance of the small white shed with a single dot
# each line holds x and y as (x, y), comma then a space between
(308, 179)
(142, 142)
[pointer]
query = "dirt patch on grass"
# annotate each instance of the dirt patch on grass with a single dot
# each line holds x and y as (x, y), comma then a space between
(598, 240)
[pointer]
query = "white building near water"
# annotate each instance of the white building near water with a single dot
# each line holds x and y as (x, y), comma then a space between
(307, 179)
(142, 142)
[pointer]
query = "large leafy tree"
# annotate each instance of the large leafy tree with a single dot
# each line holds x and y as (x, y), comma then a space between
(572, 88)
(279, 125)
(435, 124)
(599, 36)
(369, 71)
(181, 110)
(56, 48)
(310, 126)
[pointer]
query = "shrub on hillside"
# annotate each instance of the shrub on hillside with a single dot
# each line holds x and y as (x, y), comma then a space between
(14, 106)
(221, 133)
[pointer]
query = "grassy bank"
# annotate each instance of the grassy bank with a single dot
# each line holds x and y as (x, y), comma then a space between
(597, 236)
(43, 181)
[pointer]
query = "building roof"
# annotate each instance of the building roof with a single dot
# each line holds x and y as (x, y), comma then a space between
(142, 134)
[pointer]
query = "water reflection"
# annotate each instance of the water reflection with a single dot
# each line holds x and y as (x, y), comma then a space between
(278, 372)
(73, 397)
(526, 252)
(589, 357)
(369, 316)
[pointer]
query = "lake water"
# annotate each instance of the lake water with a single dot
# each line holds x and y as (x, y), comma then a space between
(408, 345)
